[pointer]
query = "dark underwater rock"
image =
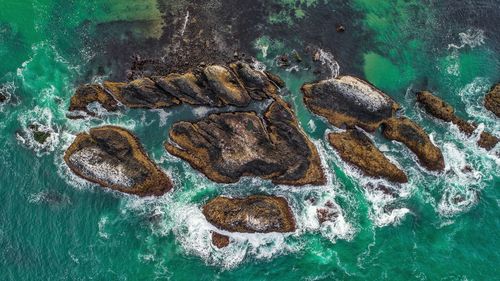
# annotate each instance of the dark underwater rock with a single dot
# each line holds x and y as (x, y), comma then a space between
(113, 157)
(2, 98)
(256, 213)
(356, 148)
(492, 100)
(348, 102)
(39, 135)
(416, 139)
(228, 146)
(441, 110)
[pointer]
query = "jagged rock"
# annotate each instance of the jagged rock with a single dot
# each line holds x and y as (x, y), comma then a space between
(213, 85)
(228, 146)
(492, 100)
(141, 93)
(441, 110)
(356, 148)
(2, 98)
(112, 157)
(220, 241)
(328, 213)
(40, 134)
(87, 94)
(348, 102)
(416, 139)
(257, 213)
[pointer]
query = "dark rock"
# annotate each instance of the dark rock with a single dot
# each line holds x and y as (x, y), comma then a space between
(39, 134)
(112, 157)
(2, 98)
(340, 28)
(141, 93)
(356, 148)
(492, 100)
(348, 102)
(220, 241)
(329, 213)
(441, 110)
(257, 213)
(87, 94)
(228, 146)
(416, 139)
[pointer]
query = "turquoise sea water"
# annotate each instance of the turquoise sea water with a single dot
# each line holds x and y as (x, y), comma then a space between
(55, 226)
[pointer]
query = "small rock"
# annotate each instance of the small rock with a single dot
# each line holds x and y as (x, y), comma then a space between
(492, 100)
(220, 241)
(340, 28)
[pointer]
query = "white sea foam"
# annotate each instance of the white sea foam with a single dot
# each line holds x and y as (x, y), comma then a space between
(41, 118)
(7, 89)
(473, 37)
(327, 58)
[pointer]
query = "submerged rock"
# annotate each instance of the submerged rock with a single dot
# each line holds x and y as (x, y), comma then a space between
(328, 213)
(88, 94)
(257, 213)
(348, 102)
(356, 148)
(214, 85)
(219, 240)
(416, 139)
(112, 157)
(141, 93)
(2, 98)
(492, 100)
(441, 110)
(228, 146)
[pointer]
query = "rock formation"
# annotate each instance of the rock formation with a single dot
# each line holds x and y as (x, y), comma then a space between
(348, 102)
(215, 85)
(257, 213)
(414, 137)
(112, 157)
(356, 148)
(87, 94)
(492, 100)
(219, 240)
(228, 146)
(441, 110)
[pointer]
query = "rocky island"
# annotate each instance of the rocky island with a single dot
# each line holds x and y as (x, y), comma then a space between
(113, 157)
(228, 146)
(441, 110)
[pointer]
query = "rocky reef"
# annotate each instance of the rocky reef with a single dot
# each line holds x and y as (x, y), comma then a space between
(87, 94)
(220, 240)
(416, 139)
(228, 146)
(348, 102)
(441, 110)
(236, 84)
(358, 149)
(256, 213)
(492, 100)
(113, 157)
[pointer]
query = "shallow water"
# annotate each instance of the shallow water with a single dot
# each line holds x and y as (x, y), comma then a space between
(55, 226)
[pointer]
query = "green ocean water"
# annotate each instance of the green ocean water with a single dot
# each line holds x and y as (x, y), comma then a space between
(55, 226)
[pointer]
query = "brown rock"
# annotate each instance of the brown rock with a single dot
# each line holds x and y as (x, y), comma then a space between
(112, 157)
(189, 89)
(228, 146)
(348, 102)
(257, 213)
(441, 110)
(87, 94)
(414, 137)
(220, 241)
(141, 93)
(226, 86)
(329, 213)
(492, 100)
(356, 148)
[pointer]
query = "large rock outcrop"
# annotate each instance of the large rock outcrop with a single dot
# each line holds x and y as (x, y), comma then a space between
(236, 84)
(257, 213)
(348, 102)
(141, 93)
(88, 94)
(228, 146)
(492, 100)
(416, 139)
(441, 110)
(112, 157)
(356, 148)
